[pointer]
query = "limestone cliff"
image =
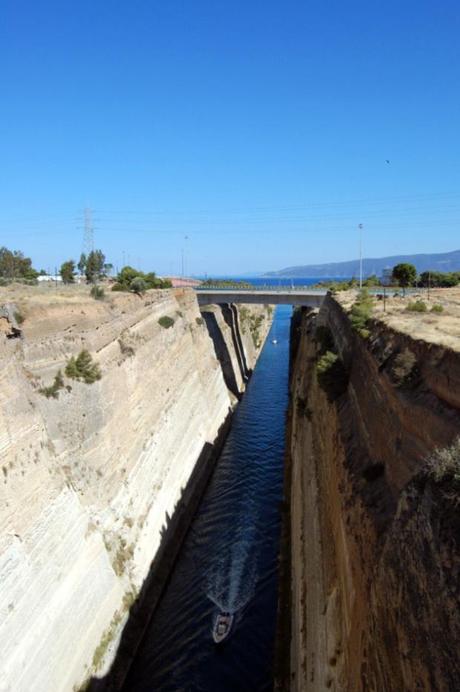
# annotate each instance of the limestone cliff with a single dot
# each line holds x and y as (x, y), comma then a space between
(374, 555)
(92, 473)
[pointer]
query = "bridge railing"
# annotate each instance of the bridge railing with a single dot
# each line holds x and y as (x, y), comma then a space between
(377, 290)
(262, 289)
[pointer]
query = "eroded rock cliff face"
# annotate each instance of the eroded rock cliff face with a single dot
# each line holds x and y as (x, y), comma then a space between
(92, 474)
(374, 554)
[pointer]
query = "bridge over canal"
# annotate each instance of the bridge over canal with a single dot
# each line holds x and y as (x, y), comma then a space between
(283, 295)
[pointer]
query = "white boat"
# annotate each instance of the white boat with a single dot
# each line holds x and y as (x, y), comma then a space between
(274, 341)
(222, 627)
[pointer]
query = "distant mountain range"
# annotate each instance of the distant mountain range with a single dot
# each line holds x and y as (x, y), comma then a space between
(442, 262)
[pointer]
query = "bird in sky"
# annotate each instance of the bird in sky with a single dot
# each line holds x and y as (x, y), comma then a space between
(387, 160)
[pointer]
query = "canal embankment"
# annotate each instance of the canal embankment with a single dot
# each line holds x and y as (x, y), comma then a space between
(103, 458)
(370, 597)
(228, 561)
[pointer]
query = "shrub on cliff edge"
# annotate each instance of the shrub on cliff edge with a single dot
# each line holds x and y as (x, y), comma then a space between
(361, 312)
(97, 292)
(417, 306)
(83, 368)
(437, 308)
(166, 322)
(52, 392)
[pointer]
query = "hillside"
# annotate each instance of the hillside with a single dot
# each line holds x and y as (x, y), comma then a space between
(444, 261)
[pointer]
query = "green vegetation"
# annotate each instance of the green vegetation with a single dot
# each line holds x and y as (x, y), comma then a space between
(416, 306)
(138, 285)
(404, 274)
(129, 279)
(107, 636)
(326, 362)
(67, 272)
(347, 284)
(97, 292)
(437, 308)
(439, 279)
(83, 368)
(53, 390)
(95, 267)
(82, 264)
(337, 286)
(226, 283)
(361, 313)
(166, 322)
(252, 322)
(404, 367)
(444, 464)
(13, 266)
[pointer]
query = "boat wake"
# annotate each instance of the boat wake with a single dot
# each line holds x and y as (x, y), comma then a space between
(231, 580)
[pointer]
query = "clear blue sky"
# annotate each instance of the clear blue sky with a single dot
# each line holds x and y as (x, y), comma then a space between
(259, 129)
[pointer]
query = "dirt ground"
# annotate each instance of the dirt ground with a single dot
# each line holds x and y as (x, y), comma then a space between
(440, 328)
(45, 293)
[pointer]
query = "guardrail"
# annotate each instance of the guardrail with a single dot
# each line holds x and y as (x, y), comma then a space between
(374, 290)
(262, 289)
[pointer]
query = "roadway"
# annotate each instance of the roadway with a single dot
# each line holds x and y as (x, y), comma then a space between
(311, 298)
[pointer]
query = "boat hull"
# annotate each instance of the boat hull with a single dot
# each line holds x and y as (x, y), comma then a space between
(222, 627)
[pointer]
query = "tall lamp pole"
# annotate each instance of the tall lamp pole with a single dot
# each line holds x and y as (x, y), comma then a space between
(360, 226)
(183, 256)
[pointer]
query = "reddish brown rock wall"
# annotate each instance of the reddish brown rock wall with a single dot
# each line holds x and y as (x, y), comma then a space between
(374, 543)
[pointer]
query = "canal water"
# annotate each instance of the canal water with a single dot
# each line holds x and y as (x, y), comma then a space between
(230, 555)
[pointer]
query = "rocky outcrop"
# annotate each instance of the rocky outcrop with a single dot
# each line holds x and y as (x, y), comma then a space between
(372, 574)
(94, 474)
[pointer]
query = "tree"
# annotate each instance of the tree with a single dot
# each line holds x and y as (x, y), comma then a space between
(82, 263)
(371, 280)
(128, 274)
(439, 279)
(404, 274)
(67, 272)
(13, 265)
(138, 285)
(94, 268)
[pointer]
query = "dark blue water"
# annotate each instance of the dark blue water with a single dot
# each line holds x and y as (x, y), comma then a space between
(286, 281)
(230, 556)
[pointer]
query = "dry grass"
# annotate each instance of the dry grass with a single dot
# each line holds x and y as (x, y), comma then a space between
(438, 326)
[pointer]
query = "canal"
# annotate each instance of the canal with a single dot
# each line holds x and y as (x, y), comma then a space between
(229, 558)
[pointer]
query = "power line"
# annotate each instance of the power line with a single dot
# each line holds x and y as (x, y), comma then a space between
(88, 232)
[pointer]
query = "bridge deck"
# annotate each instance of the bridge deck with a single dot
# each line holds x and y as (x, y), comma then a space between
(284, 296)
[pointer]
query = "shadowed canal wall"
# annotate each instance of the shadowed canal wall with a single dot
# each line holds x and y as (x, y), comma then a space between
(372, 533)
